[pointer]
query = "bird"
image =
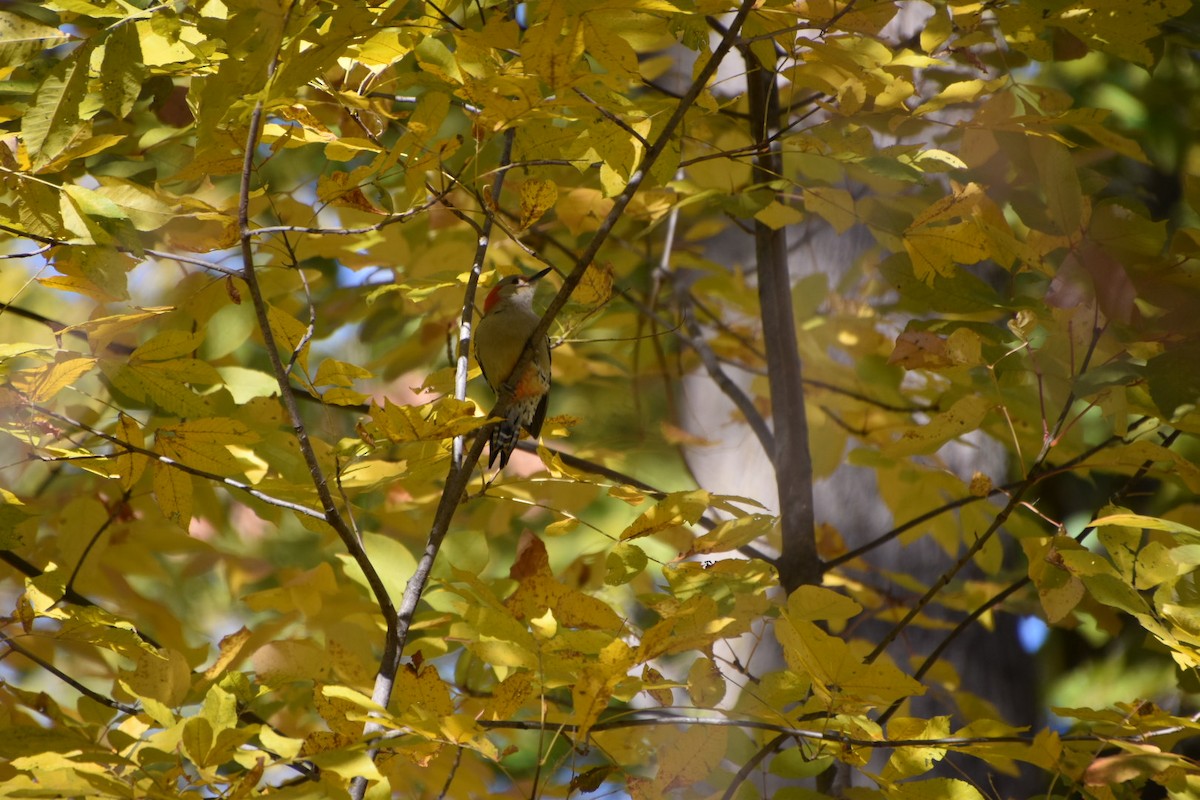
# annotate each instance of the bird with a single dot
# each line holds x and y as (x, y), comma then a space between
(507, 323)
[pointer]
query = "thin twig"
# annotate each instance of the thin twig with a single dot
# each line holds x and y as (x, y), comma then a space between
(731, 390)
(74, 684)
(170, 462)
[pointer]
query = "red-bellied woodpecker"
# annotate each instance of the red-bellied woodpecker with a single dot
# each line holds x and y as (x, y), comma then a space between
(508, 320)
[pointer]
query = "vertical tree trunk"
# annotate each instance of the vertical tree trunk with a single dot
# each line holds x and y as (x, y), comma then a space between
(798, 562)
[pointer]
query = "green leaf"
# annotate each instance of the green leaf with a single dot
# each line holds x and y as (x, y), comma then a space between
(53, 120)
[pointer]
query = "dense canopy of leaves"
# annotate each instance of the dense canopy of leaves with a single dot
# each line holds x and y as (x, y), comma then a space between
(250, 551)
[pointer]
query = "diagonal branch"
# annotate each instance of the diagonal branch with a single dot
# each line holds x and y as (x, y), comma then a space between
(74, 684)
(329, 509)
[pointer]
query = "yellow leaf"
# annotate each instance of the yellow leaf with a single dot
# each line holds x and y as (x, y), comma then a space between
(674, 510)
(705, 683)
(964, 416)
(836, 206)
(291, 336)
(814, 603)
(583, 209)
(332, 372)
(130, 466)
(510, 696)
(173, 492)
(1058, 590)
(166, 383)
(169, 345)
(909, 761)
(442, 419)
(537, 197)
(52, 120)
(204, 443)
(591, 693)
(777, 215)
(839, 677)
(733, 533)
(942, 788)
(231, 647)
(936, 249)
(595, 288)
(1060, 183)
(1140, 521)
(553, 50)
(56, 377)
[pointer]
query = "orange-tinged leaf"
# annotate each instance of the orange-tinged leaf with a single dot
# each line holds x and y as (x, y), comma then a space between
(920, 350)
(654, 684)
(691, 757)
(287, 660)
(510, 696)
(532, 559)
(164, 676)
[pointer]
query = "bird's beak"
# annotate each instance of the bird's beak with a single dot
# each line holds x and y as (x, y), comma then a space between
(538, 276)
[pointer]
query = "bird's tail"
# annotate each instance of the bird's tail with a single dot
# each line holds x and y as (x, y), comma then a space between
(504, 438)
